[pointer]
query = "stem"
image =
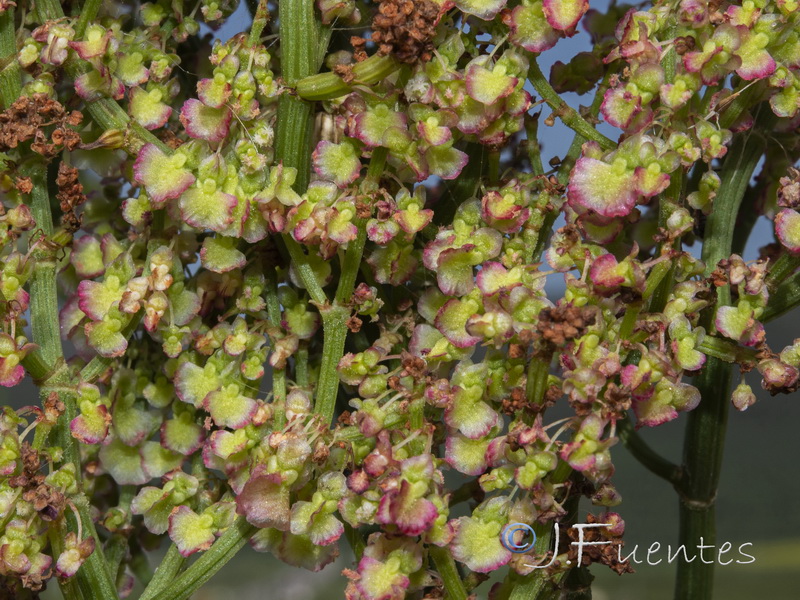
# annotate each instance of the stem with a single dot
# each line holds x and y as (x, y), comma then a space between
(670, 201)
(652, 461)
(278, 375)
(534, 148)
(334, 326)
(705, 431)
(166, 572)
(783, 299)
(563, 111)
(260, 19)
(568, 162)
(43, 292)
(205, 567)
(782, 270)
(94, 577)
(35, 366)
(536, 383)
(10, 72)
(538, 586)
(446, 567)
(334, 316)
(301, 365)
(727, 350)
(88, 13)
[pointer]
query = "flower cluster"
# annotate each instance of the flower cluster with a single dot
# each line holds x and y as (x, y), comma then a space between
(295, 319)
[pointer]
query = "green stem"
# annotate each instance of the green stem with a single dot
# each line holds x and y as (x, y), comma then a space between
(562, 110)
(165, 573)
(44, 294)
(670, 201)
(301, 365)
(334, 316)
(538, 585)
(782, 270)
(35, 366)
(211, 561)
(783, 299)
(334, 327)
(568, 162)
(10, 72)
(260, 19)
(727, 350)
(654, 462)
(304, 269)
(93, 577)
(446, 566)
(88, 14)
(278, 375)
(704, 442)
(533, 146)
(536, 383)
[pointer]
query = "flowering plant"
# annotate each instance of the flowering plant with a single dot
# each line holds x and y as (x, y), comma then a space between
(293, 291)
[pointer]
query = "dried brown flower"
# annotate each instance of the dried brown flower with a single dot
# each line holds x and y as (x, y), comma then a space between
(405, 29)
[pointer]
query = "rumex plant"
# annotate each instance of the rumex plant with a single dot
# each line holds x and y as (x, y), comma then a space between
(290, 289)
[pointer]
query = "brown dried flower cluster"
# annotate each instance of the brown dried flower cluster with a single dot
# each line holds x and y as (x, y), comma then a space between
(563, 323)
(70, 195)
(405, 29)
(46, 500)
(604, 550)
(26, 119)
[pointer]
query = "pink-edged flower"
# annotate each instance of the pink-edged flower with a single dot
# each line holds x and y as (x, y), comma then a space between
(148, 108)
(486, 85)
(164, 177)
(444, 161)
(664, 402)
(530, 28)
(228, 407)
(740, 323)
(189, 531)
(477, 542)
(205, 207)
(264, 501)
(483, 9)
(466, 455)
(182, 434)
(95, 42)
(339, 163)
(787, 228)
(205, 122)
(757, 63)
(564, 15)
(620, 107)
(74, 554)
(607, 189)
(11, 354)
(215, 92)
(451, 321)
(371, 125)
